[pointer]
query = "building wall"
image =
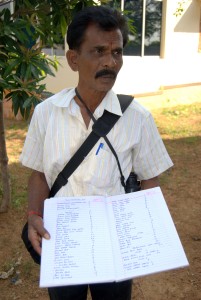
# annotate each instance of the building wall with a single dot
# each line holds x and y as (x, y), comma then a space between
(64, 77)
(179, 62)
(182, 60)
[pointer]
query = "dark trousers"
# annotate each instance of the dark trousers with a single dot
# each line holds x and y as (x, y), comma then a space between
(101, 291)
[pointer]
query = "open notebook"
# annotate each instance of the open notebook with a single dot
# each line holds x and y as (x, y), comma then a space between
(102, 239)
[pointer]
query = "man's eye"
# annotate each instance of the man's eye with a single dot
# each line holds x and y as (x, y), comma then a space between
(117, 52)
(99, 51)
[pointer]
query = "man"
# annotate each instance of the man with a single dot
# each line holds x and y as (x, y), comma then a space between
(96, 38)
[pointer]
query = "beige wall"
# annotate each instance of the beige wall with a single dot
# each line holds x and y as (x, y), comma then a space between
(64, 77)
(180, 61)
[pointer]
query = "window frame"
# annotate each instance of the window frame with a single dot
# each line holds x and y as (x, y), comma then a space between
(142, 54)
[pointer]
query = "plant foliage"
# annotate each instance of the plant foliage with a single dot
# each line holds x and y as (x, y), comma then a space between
(21, 67)
(23, 34)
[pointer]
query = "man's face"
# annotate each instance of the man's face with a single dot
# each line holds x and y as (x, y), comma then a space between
(99, 59)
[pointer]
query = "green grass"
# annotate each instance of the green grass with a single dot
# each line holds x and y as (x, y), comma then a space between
(182, 111)
(183, 121)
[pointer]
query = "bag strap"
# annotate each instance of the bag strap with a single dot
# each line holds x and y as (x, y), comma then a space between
(99, 129)
(124, 101)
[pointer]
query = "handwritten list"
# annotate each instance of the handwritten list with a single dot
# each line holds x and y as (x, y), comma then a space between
(139, 235)
(102, 239)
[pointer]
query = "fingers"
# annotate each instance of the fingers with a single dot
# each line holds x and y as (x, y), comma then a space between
(36, 231)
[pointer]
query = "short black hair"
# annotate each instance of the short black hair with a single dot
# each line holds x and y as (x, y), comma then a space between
(104, 17)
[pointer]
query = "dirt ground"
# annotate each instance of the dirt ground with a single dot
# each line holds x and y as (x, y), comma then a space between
(180, 186)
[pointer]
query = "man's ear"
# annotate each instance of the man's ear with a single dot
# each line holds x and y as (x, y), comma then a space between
(72, 57)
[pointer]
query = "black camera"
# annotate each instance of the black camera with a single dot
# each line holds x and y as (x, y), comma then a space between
(132, 184)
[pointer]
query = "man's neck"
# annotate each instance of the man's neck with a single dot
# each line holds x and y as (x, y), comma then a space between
(91, 98)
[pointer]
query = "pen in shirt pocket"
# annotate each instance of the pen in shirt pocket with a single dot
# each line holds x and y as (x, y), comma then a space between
(99, 147)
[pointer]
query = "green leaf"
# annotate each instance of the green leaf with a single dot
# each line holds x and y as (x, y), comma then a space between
(28, 102)
(18, 80)
(15, 103)
(28, 72)
(11, 67)
(22, 70)
(43, 67)
(9, 44)
(7, 15)
(27, 112)
(34, 71)
(63, 25)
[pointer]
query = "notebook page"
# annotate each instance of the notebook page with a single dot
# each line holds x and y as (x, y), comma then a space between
(79, 242)
(148, 240)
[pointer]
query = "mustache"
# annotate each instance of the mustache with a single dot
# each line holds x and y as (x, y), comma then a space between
(106, 72)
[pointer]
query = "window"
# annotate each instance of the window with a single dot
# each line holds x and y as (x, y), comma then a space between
(6, 4)
(146, 16)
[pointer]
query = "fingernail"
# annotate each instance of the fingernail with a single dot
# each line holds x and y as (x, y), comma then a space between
(46, 236)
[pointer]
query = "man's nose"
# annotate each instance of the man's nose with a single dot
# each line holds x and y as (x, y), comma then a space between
(109, 61)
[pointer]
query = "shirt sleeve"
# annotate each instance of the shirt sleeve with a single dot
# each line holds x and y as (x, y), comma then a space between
(150, 157)
(32, 152)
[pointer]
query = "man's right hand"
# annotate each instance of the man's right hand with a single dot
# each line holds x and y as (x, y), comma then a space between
(38, 191)
(36, 231)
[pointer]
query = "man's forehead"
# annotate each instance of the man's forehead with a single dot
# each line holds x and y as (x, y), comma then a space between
(99, 36)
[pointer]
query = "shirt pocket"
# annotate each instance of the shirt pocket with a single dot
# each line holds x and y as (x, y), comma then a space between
(99, 168)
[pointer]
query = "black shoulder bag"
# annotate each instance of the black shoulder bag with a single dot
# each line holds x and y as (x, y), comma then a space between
(101, 128)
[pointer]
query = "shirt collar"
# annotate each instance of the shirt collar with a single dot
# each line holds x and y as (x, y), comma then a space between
(63, 98)
(110, 101)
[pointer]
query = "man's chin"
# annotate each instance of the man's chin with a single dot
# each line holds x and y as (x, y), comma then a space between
(106, 84)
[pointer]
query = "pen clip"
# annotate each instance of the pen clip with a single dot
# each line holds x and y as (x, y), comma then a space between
(99, 147)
